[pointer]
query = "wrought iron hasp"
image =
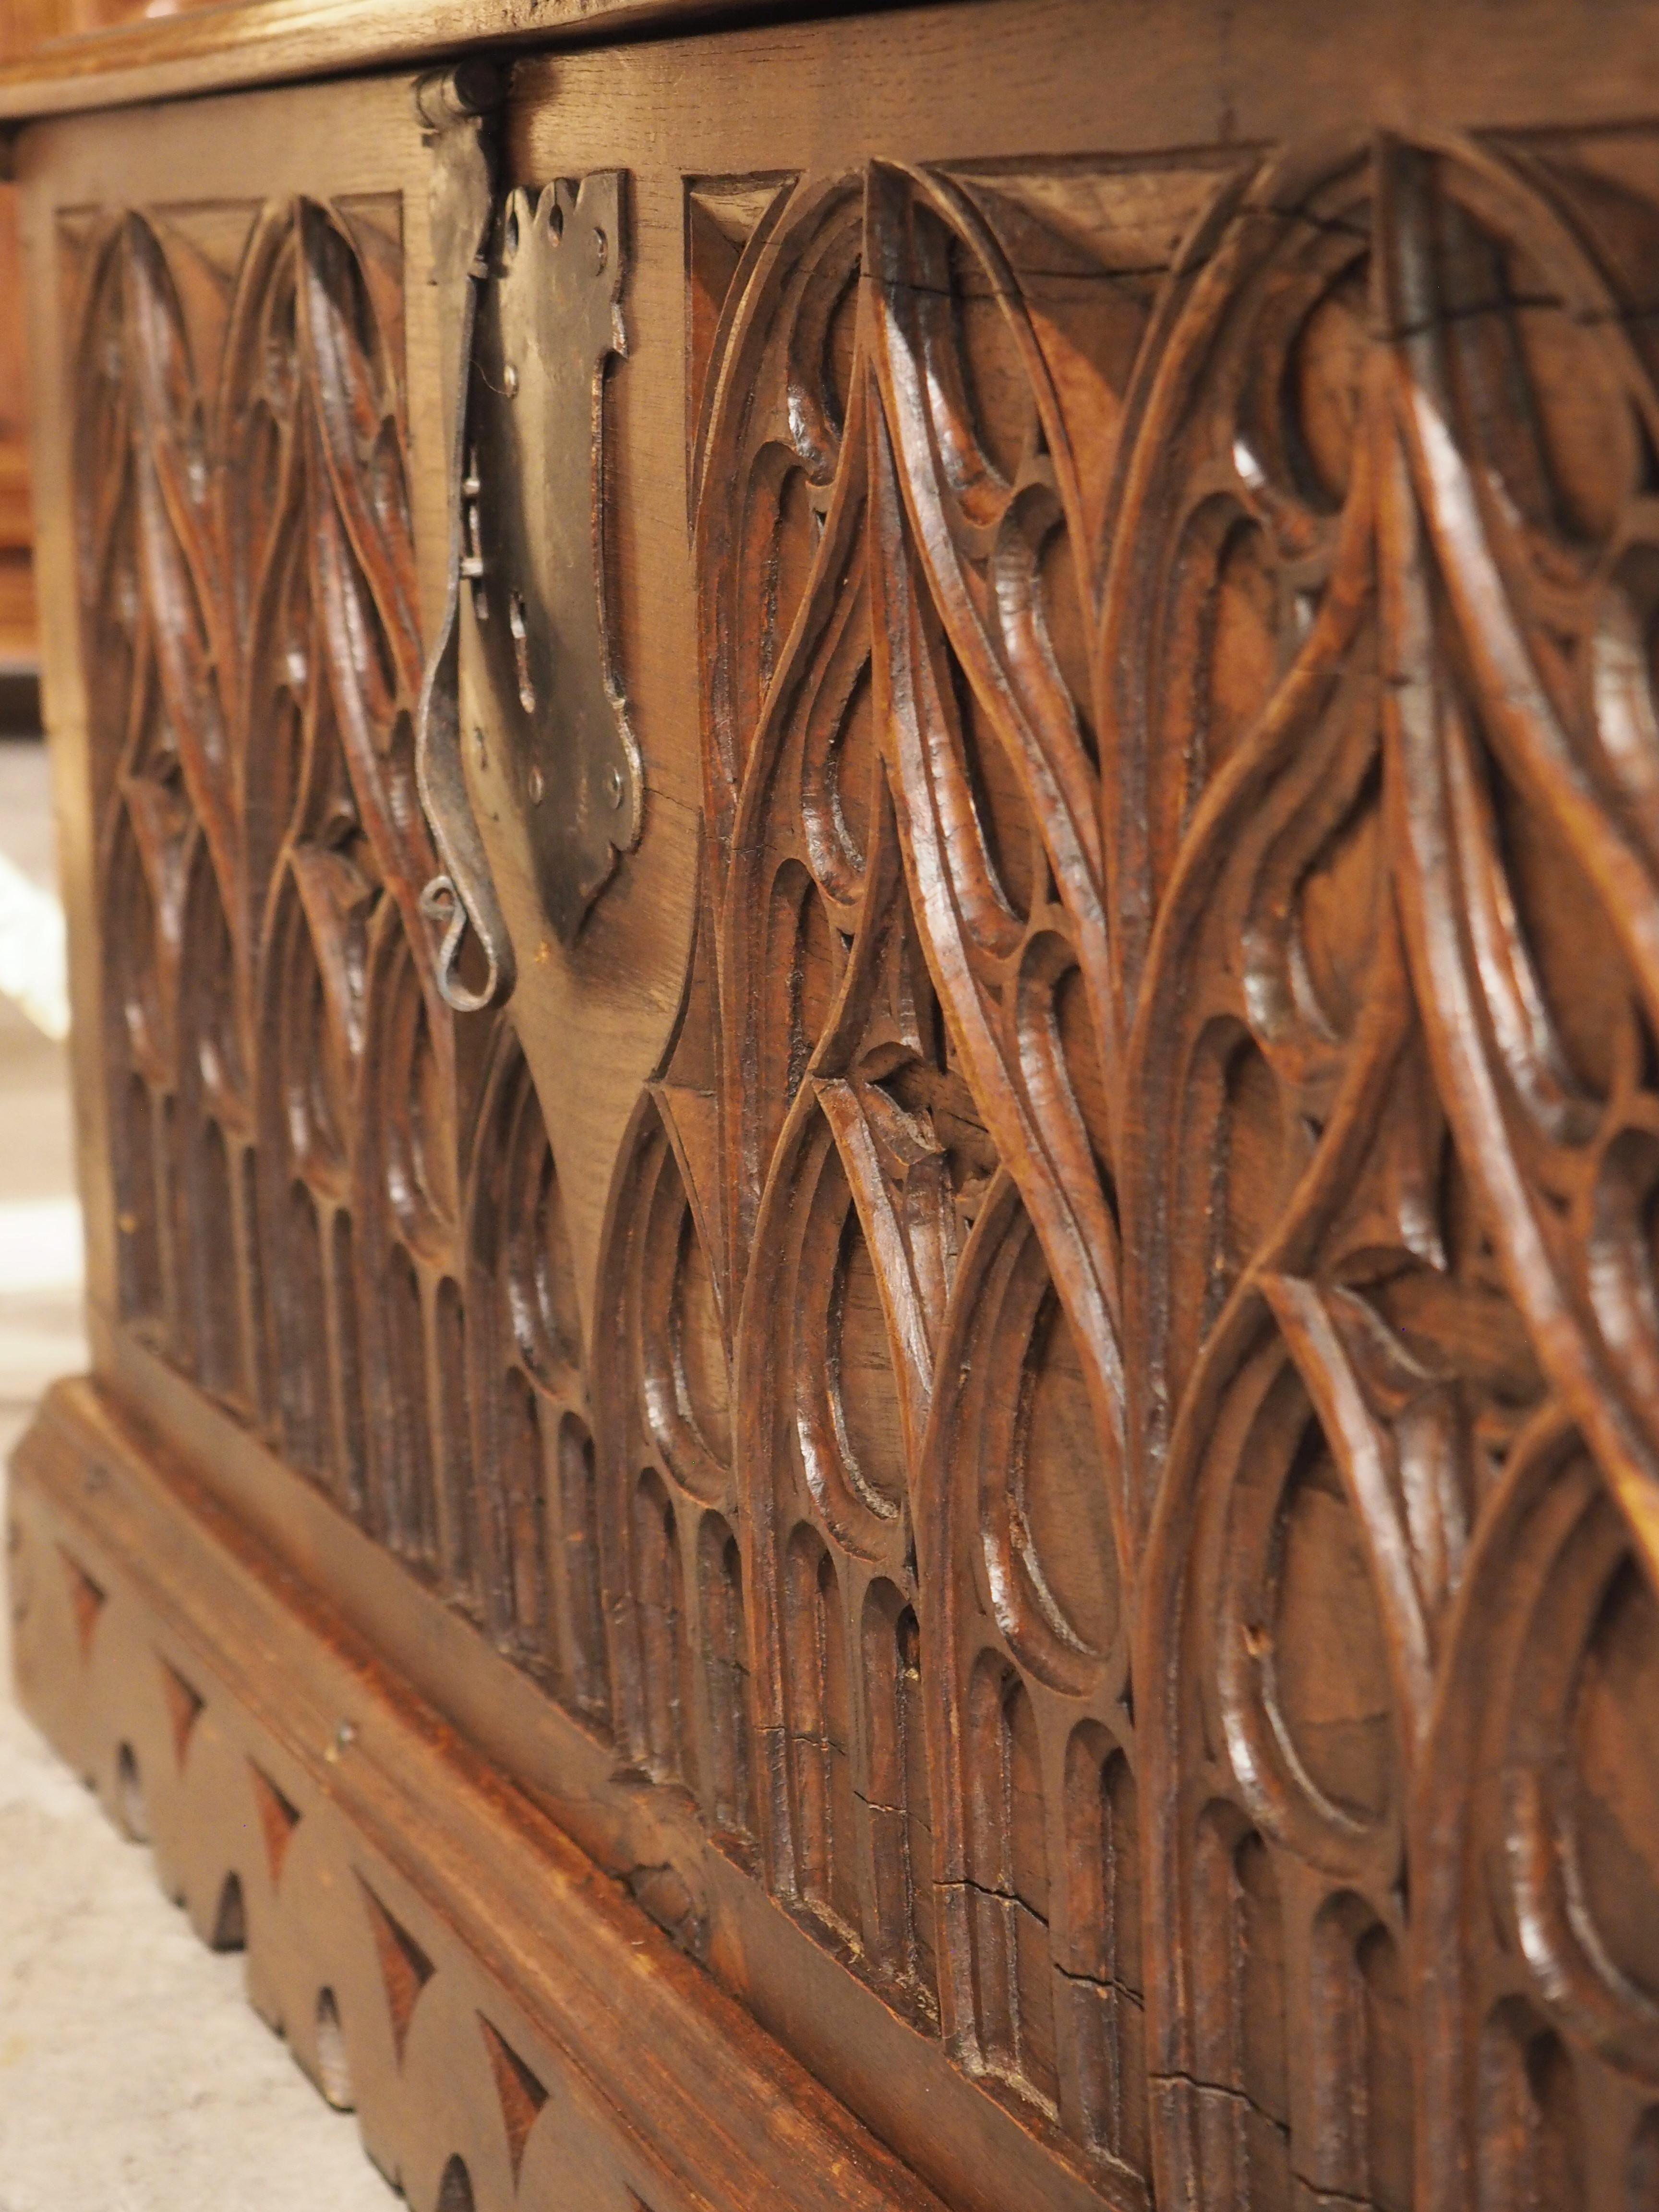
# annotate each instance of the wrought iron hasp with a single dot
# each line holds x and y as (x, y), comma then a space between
(538, 679)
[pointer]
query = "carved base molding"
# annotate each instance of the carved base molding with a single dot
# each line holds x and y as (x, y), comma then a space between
(509, 2027)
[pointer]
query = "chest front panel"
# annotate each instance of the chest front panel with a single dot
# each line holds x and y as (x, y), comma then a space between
(1018, 1379)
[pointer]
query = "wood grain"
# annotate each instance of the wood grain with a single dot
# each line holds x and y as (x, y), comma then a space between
(225, 43)
(454, 1976)
(1022, 1383)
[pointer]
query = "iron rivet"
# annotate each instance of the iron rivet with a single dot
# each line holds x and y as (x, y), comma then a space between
(613, 784)
(536, 784)
(510, 380)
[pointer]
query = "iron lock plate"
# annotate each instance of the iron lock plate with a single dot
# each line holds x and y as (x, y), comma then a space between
(536, 667)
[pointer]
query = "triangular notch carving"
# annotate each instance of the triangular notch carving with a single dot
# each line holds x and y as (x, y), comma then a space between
(521, 2094)
(455, 2190)
(85, 1597)
(183, 1708)
(278, 1819)
(404, 1967)
(726, 218)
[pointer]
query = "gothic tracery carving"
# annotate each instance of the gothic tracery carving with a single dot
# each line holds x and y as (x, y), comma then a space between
(302, 1227)
(1173, 740)
(1117, 1456)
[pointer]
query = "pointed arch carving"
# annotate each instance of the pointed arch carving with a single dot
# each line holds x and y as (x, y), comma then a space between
(284, 1087)
(1162, 773)
(1112, 1467)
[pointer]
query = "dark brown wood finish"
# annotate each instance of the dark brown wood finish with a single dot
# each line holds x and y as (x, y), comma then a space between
(1020, 1384)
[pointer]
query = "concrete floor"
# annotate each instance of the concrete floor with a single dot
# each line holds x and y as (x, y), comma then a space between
(133, 2076)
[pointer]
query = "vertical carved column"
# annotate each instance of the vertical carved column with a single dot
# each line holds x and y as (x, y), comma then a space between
(906, 935)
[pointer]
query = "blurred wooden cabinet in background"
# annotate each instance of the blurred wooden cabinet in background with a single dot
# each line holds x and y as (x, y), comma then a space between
(861, 824)
(19, 651)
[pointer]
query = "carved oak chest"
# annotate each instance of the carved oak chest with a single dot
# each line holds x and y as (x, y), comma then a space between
(862, 819)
